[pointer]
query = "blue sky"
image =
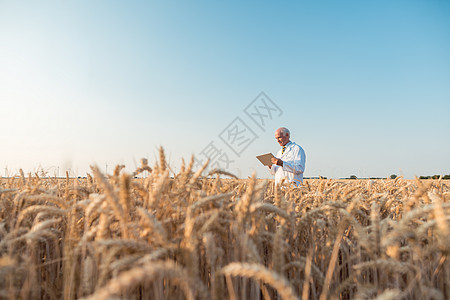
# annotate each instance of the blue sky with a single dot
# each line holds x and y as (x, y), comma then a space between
(364, 86)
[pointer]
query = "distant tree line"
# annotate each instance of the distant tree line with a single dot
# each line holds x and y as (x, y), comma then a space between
(435, 177)
(393, 176)
(354, 177)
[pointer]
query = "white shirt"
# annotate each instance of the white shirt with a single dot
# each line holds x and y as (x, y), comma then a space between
(294, 160)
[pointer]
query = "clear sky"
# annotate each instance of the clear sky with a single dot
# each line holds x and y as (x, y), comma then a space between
(363, 86)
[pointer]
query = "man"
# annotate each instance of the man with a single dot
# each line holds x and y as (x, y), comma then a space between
(290, 160)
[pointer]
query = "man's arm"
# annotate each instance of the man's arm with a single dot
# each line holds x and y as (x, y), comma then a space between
(272, 169)
(297, 165)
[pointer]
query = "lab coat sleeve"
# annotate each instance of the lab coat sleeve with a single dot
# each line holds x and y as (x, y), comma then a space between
(297, 165)
(273, 170)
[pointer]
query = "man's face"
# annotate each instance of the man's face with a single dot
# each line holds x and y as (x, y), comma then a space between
(281, 139)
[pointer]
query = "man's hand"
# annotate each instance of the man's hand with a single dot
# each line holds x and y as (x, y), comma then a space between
(277, 161)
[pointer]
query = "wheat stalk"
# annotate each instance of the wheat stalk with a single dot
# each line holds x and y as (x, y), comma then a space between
(259, 272)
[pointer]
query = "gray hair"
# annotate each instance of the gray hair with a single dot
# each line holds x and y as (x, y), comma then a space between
(285, 131)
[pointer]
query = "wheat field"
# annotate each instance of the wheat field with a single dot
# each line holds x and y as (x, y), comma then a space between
(212, 236)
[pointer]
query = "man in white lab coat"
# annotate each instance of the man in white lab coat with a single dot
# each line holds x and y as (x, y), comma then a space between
(289, 163)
